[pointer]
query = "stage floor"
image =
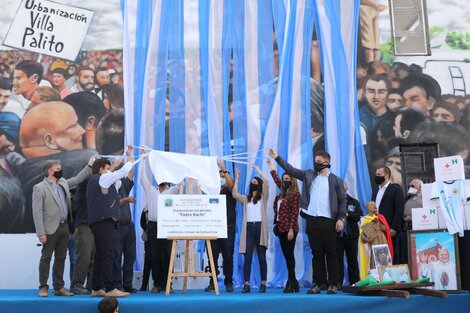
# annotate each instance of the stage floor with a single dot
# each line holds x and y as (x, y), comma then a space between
(27, 301)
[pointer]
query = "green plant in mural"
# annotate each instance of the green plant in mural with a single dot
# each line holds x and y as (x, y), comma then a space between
(386, 52)
(458, 40)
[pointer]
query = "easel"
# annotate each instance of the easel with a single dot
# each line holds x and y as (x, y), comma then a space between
(189, 256)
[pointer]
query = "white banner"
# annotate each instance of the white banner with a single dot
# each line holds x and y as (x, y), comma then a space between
(192, 216)
(49, 28)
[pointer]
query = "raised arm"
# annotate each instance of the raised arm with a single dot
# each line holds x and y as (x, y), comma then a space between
(143, 175)
(265, 194)
(292, 171)
(82, 175)
(274, 174)
(237, 196)
(228, 178)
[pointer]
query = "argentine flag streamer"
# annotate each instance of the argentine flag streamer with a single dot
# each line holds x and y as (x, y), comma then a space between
(231, 79)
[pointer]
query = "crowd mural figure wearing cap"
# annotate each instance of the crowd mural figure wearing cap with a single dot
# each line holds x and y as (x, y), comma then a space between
(11, 191)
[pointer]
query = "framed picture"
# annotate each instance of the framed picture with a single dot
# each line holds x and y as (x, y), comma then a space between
(397, 273)
(382, 256)
(434, 254)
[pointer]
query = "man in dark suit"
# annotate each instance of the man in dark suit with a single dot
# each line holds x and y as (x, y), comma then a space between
(390, 201)
(51, 213)
(323, 205)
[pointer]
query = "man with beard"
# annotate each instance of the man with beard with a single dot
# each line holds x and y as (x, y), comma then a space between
(49, 128)
(442, 272)
(85, 80)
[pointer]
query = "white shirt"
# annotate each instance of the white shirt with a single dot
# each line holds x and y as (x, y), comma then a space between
(253, 212)
(320, 197)
(152, 193)
(380, 195)
(114, 178)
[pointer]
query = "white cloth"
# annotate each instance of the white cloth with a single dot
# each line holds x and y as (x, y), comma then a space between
(451, 197)
(253, 212)
(108, 179)
(174, 167)
(320, 197)
(152, 193)
(380, 195)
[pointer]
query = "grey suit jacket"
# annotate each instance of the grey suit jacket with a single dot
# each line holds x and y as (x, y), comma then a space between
(46, 202)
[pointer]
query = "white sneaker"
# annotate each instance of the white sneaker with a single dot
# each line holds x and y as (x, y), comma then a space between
(116, 293)
(98, 293)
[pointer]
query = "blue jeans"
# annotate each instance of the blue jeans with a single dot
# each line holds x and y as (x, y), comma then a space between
(253, 235)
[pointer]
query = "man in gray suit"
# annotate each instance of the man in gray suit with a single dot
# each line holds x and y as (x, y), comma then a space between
(51, 213)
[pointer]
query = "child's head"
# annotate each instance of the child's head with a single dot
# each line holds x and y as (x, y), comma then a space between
(108, 305)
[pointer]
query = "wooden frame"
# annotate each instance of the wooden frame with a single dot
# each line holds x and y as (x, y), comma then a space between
(435, 254)
(398, 273)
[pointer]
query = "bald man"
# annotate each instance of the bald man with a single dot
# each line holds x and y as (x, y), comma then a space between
(49, 128)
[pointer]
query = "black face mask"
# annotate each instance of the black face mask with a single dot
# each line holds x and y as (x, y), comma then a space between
(287, 184)
(253, 187)
(319, 166)
(58, 174)
(379, 179)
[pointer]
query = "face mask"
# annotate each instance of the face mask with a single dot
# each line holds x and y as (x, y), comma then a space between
(58, 174)
(253, 187)
(319, 167)
(287, 184)
(108, 171)
(379, 179)
(412, 191)
(223, 181)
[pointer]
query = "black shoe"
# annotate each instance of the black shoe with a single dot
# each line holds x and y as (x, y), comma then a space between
(262, 288)
(340, 287)
(332, 290)
(80, 290)
(288, 287)
(210, 287)
(130, 289)
(143, 288)
(155, 289)
(229, 288)
(246, 288)
(314, 290)
(295, 286)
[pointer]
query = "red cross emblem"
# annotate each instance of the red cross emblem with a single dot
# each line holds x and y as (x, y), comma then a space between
(447, 165)
(424, 216)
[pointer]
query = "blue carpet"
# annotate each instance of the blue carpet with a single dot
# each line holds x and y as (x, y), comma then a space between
(194, 301)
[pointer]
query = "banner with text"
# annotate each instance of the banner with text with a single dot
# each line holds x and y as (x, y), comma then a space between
(49, 28)
(192, 216)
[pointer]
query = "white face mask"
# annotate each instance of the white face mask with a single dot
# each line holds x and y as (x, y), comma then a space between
(412, 191)
(108, 171)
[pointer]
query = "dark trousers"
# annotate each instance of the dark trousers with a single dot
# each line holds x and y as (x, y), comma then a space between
(226, 247)
(253, 235)
(350, 246)
(288, 251)
(321, 234)
(125, 246)
(147, 266)
(56, 244)
(84, 256)
(160, 256)
(105, 236)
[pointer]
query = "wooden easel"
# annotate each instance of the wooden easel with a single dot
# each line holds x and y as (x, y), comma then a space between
(189, 256)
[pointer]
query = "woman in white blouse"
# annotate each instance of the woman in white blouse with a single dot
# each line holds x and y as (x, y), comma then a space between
(254, 234)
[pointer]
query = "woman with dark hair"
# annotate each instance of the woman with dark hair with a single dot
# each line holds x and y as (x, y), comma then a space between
(286, 225)
(254, 232)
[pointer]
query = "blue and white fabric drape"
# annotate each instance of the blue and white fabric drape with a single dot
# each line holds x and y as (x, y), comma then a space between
(195, 69)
